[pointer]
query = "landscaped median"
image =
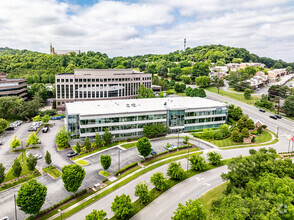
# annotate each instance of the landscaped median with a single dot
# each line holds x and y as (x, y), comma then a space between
(127, 176)
(52, 171)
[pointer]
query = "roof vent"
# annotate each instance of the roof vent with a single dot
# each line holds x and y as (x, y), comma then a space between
(133, 104)
(128, 105)
(165, 103)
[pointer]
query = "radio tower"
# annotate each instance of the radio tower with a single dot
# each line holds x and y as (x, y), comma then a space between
(184, 44)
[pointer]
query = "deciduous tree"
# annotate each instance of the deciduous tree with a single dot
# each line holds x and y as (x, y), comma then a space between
(96, 215)
(107, 136)
(105, 161)
(122, 206)
(46, 118)
(193, 210)
(48, 158)
(197, 162)
(2, 173)
(214, 158)
(141, 190)
(72, 177)
(62, 138)
(159, 181)
(31, 162)
(144, 146)
(175, 171)
(31, 197)
(15, 142)
(32, 139)
(16, 168)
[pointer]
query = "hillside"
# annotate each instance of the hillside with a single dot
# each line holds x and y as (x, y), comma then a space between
(40, 67)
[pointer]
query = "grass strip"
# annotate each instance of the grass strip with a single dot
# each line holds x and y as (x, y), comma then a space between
(255, 145)
(52, 171)
(22, 180)
(81, 162)
(104, 173)
(129, 145)
(113, 188)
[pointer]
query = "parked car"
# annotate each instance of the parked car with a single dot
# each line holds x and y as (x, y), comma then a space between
(262, 110)
(1, 143)
(36, 124)
(32, 128)
(279, 116)
(9, 128)
(38, 156)
(39, 141)
(153, 152)
(4, 218)
(170, 146)
(273, 117)
(139, 155)
(72, 154)
(19, 122)
(13, 124)
(45, 129)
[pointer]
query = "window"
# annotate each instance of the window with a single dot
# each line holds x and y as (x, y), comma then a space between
(58, 80)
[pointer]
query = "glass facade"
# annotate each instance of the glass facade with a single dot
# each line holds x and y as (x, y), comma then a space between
(176, 118)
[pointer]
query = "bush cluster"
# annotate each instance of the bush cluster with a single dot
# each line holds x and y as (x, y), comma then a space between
(126, 168)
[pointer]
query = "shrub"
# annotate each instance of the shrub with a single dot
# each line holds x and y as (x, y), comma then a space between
(253, 139)
(126, 168)
(214, 158)
(175, 171)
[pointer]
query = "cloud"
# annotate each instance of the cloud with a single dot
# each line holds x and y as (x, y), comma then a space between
(265, 27)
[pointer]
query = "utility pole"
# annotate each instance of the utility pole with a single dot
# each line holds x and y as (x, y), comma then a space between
(218, 82)
(15, 207)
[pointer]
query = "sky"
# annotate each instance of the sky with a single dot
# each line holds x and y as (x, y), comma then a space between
(137, 27)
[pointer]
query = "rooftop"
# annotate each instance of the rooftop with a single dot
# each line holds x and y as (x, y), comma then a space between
(139, 105)
(105, 72)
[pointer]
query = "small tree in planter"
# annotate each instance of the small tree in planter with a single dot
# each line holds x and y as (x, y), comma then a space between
(186, 139)
(105, 161)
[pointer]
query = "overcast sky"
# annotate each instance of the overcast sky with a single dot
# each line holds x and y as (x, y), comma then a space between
(127, 28)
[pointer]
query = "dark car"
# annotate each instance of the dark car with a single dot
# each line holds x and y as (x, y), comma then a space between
(273, 117)
(71, 154)
(278, 116)
(153, 152)
(262, 110)
(9, 128)
(45, 129)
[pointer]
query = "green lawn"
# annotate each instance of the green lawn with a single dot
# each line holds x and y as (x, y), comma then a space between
(25, 170)
(238, 97)
(180, 94)
(264, 137)
(52, 171)
(211, 195)
(104, 173)
(81, 162)
(129, 145)
(62, 148)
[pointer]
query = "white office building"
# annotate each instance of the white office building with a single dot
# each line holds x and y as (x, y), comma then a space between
(126, 118)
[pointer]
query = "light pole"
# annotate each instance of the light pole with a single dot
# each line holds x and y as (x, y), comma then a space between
(289, 146)
(60, 214)
(15, 207)
(218, 82)
(118, 159)
(188, 161)
(22, 152)
(178, 139)
(278, 131)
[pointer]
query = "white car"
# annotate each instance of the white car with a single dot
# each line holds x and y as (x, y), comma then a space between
(38, 156)
(139, 155)
(170, 146)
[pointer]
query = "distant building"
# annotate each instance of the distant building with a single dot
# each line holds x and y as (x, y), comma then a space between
(62, 52)
(94, 84)
(276, 73)
(236, 66)
(13, 87)
(126, 118)
(258, 80)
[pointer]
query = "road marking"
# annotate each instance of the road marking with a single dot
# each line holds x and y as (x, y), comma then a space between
(206, 184)
(159, 212)
(199, 179)
(184, 193)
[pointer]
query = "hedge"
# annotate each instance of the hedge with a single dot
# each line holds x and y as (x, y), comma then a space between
(126, 168)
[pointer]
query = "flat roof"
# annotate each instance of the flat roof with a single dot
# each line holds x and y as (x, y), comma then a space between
(123, 106)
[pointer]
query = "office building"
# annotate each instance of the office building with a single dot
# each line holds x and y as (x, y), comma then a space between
(13, 87)
(126, 118)
(94, 84)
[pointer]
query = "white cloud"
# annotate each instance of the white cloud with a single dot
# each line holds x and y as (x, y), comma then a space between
(265, 27)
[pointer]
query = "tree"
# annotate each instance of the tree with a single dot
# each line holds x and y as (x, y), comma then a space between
(96, 215)
(202, 81)
(31, 197)
(32, 139)
(200, 93)
(264, 102)
(247, 93)
(214, 158)
(78, 147)
(180, 87)
(289, 69)
(37, 118)
(98, 140)
(62, 138)
(154, 130)
(15, 143)
(224, 130)
(193, 210)
(3, 125)
(107, 136)
(186, 139)
(200, 69)
(48, 158)
(236, 135)
(87, 144)
(31, 162)
(16, 168)
(259, 130)
(72, 177)
(105, 161)
(122, 206)
(245, 133)
(289, 106)
(197, 162)
(45, 118)
(175, 171)
(186, 79)
(144, 92)
(144, 146)
(237, 60)
(2, 173)
(159, 181)
(235, 112)
(9, 106)
(141, 190)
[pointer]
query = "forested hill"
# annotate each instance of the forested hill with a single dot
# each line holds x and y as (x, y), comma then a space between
(40, 67)
(10, 51)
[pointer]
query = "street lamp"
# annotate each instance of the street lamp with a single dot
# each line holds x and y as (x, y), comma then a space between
(15, 206)
(188, 160)
(22, 151)
(60, 213)
(119, 159)
(278, 131)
